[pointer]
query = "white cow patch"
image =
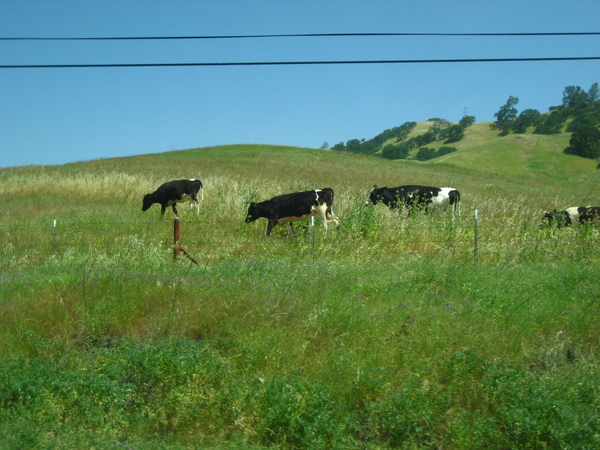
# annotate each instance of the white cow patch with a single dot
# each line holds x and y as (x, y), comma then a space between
(573, 213)
(440, 201)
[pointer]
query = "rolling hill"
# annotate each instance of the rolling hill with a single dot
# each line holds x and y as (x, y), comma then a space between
(384, 332)
(515, 155)
(483, 149)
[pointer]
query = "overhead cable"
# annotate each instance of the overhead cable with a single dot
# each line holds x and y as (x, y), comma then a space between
(263, 36)
(295, 63)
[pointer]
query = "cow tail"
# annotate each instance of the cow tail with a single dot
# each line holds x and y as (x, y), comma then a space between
(329, 212)
(455, 200)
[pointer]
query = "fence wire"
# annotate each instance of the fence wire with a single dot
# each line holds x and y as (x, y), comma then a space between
(465, 240)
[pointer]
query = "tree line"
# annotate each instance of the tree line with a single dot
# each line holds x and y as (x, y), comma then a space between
(395, 144)
(578, 114)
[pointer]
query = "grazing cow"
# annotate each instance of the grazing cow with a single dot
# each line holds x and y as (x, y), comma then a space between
(422, 197)
(288, 208)
(172, 192)
(566, 218)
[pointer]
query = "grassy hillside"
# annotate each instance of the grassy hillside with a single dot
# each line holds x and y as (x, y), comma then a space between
(484, 150)
(519, 156)
(386, 332)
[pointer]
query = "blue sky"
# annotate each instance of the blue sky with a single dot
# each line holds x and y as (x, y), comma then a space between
(56, 116)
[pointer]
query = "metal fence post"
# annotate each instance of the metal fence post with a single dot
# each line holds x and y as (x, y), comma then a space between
(176, 239)
(476, 238)
(54, 238)
(312, 227)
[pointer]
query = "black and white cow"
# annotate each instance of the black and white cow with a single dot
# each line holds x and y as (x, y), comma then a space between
(566, 218)
(173, 192)
(288, 208)
(425, 198)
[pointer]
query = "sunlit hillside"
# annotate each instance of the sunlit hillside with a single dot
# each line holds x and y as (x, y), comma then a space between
(517, 155)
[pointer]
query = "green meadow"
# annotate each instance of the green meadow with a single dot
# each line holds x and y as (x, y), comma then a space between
(386, 332)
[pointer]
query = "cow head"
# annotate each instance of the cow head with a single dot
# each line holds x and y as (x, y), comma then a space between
(376, 195)
(253, 213)
(147, 203)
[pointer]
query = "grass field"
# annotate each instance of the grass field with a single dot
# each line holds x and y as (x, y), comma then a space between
(385, 332)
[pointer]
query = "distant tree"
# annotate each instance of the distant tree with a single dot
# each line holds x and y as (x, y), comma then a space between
(506, 115)
(445, 150)
(397, 151)
(551, 123)
(594, 94)
(353, 146)
(527, 118)
(466, 121)
(583, 119)
(585, 141)
(454, 134)
(369, 147)
(341, 147)
(425, 154)
(401, 132)
(575, 98)
(421, 140)
(438, 128)
(324, 145)
(372, 146)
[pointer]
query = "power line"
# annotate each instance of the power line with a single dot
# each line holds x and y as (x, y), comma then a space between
(263, 36)
(295, 63)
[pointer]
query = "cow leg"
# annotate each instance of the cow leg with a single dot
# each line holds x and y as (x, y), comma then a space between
(330, 215)
(323, 216)
(270, 225)
(163, 208)
(175, 209)
(290, 228)
(194, 203)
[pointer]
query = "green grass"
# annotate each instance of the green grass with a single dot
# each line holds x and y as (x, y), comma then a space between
(382, 333)
(524, 156)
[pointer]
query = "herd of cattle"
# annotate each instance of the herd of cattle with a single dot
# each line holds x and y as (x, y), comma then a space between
(288, 208)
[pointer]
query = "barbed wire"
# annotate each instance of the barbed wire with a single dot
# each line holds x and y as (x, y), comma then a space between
(16, 242)
(492, 221)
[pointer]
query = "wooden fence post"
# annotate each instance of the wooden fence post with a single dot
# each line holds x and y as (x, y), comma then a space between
(177, 248)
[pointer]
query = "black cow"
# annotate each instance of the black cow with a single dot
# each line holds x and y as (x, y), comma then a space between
(288, 208)
(172, 192)
(426, 198)
(566, 218)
